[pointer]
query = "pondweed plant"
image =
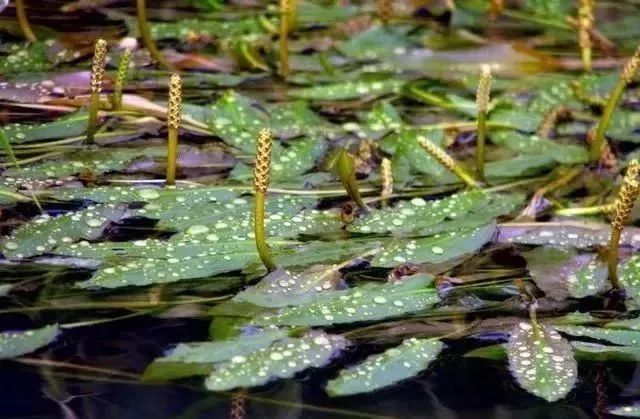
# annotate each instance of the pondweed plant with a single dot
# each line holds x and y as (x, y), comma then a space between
(448, 162)
(97, 76)
(387, 179)
(434, 265)
(261, 174)
(23, 21)
(483, 97)
(623, 207)
(121, 79)
(626, 77)
(174, 118)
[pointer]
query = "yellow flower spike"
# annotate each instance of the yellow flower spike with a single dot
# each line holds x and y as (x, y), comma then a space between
(447, 161)
(626, 77)
(483, 96)
(97, 75)
(387, 179)
(261, 173)
(585, 24)
(385, 10)
(23, 21)
(145, 33)
(285, 21)
(121, 79)
(174, 118)
(623, 207)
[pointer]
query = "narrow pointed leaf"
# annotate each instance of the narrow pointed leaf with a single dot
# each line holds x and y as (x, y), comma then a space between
(13, 344)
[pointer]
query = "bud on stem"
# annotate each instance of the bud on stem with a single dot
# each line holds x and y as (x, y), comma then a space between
(261, 172)
(174, 118)
(97, 75)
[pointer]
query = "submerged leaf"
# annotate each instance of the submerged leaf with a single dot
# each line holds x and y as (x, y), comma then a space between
(382, 370)
(541, 361)
(364, 303)
(563, 272)
(283, 359)
(44, 233)
(13, 344)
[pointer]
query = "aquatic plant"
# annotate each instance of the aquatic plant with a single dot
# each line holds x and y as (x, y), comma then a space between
(121, 79)
(97, 76)
(483, 96)
(261, 172)
(174, 118)
(145, 33)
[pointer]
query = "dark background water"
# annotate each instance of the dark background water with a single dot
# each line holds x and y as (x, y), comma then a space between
(454, 387)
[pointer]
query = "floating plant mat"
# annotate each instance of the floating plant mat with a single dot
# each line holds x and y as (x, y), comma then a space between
(335, 226)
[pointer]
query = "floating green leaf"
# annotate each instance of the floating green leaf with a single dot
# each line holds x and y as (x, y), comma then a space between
(13, 344)
(532, 144)
(541, 361)
(619, 337)
(382, 370)
(44, 233)
(630, 277)
(630, 324)
(68, 126)
(350, 90)
(435, 249)
(631, 411)
(568, 234)
(283, 359)
(365, 303)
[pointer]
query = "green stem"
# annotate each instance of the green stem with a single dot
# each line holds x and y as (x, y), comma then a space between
(612, 257)
(595, 210)
(285, 20)
(145, 33)
(259, 231)
(172, 156)
(480, 145)
(598, 141)
(23, 21)
(92, 122)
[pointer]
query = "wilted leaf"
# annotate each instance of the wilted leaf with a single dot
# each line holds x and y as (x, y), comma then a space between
(561, 272)
(541, 361)
(13, 344)
(382, 370)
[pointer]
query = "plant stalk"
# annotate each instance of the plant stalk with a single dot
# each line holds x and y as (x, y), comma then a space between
(285, 21)
(23, 21)
(145, 33)
(97, 75)
(483, 97)
(447, 161)
(121, 79)
(626, 77)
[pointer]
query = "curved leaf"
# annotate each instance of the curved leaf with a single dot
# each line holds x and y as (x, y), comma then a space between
(619, 337)
(13, 344)
(541, 361)
(365, 303)
(283, 359)
(382, 370)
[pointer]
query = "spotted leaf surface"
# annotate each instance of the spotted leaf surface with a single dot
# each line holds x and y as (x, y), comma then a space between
(570, 234)
(629, 274)
(283, 359)
(541, 361)
(619, 337)
(435, 249)
(282, 288)
(385, 369)
(562, 272)
(146, 271)
(365, 303)
(45, 232)
(68, 126)
(532, 144)
(296, 119)
(186, 28)
(349, 90)
(237, 121)
(589, 351)
(13, 344)
(158, 196)
(22, 59)
(631, 411)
